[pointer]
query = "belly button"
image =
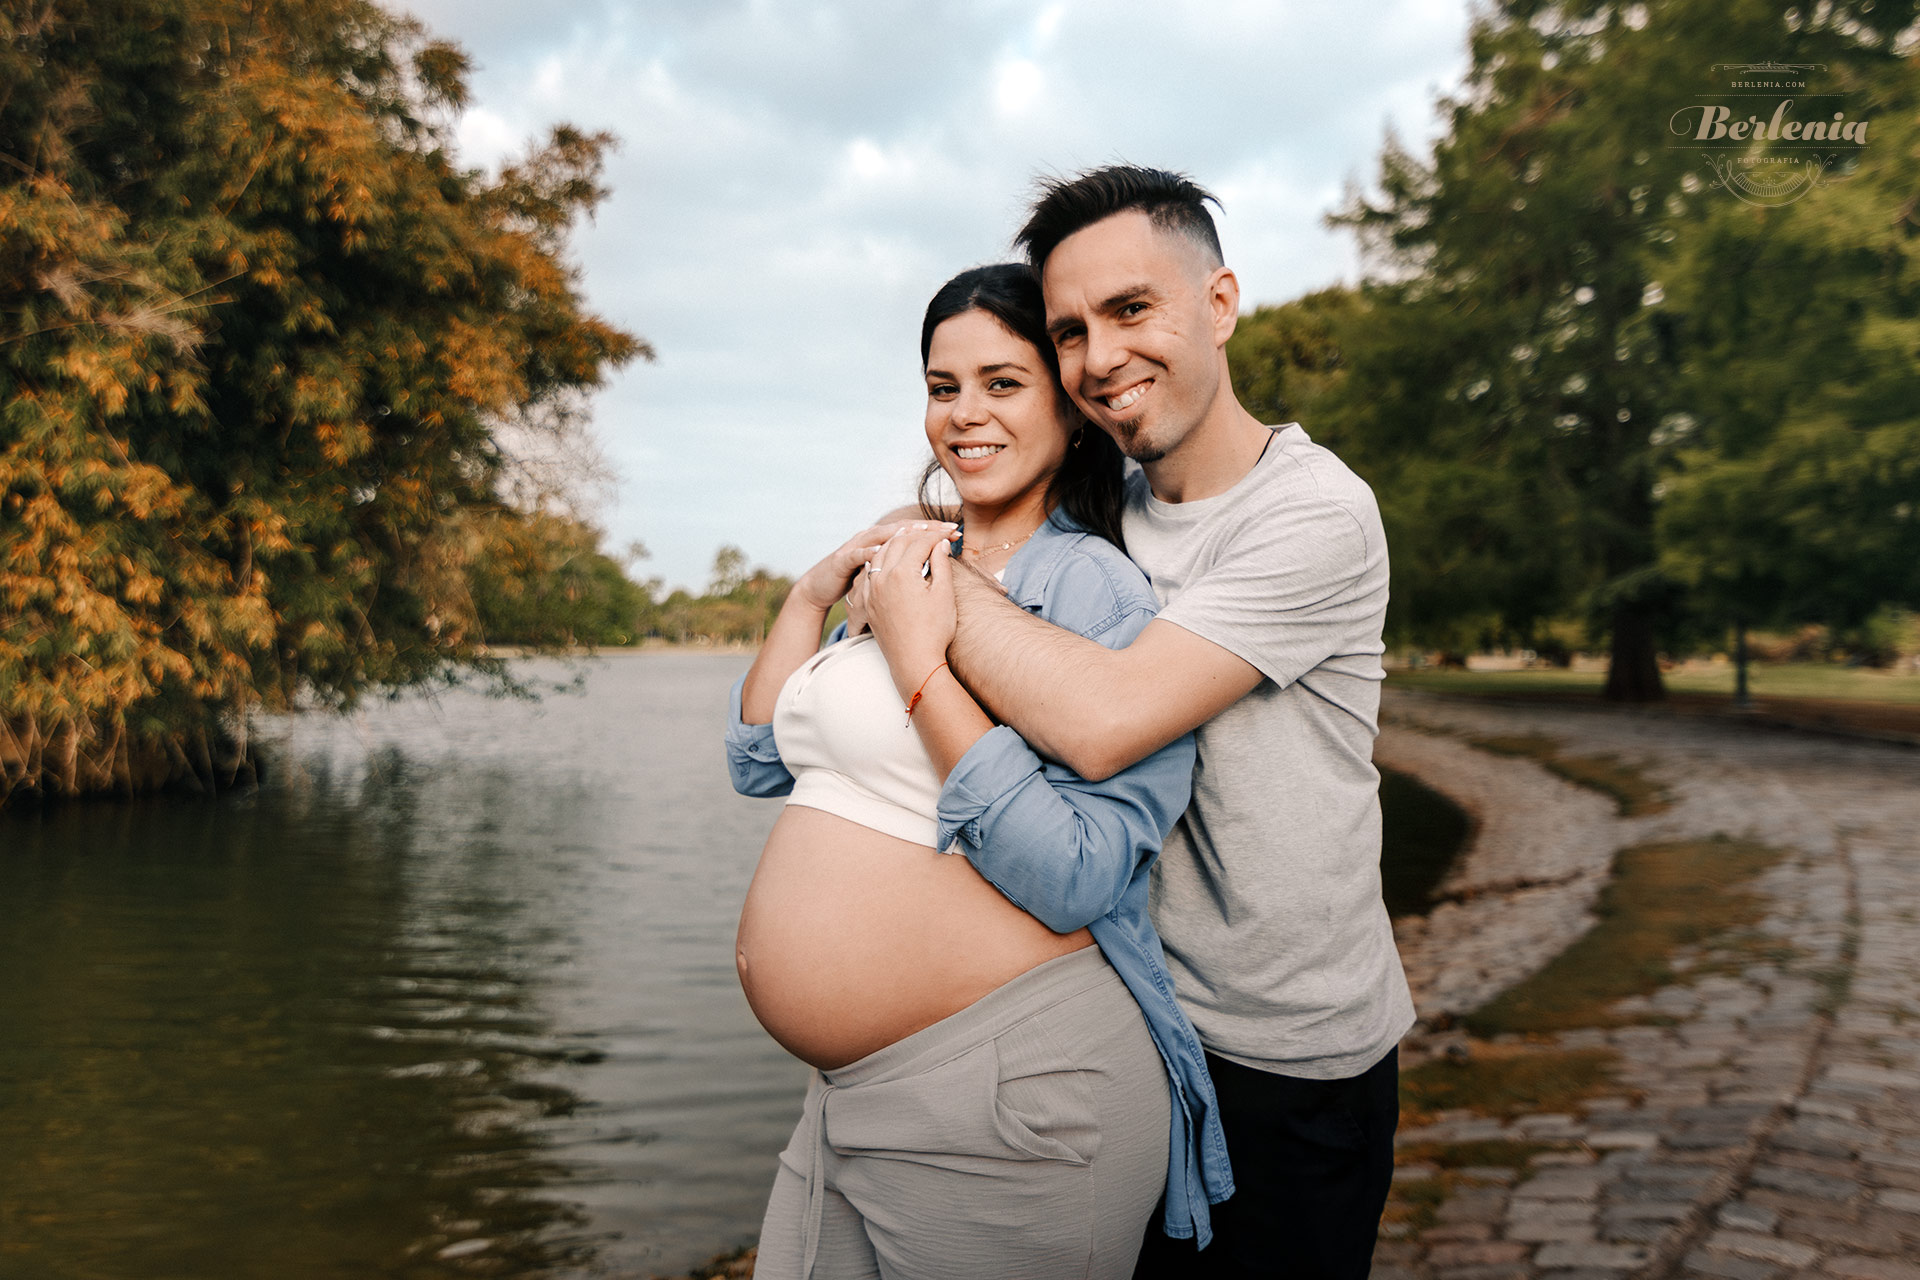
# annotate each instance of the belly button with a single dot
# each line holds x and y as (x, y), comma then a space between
(740, 961)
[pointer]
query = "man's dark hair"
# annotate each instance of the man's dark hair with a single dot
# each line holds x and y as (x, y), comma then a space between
(1089, 483)
(1173, 201)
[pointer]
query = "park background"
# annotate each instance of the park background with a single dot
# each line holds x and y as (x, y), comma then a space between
(349, 357)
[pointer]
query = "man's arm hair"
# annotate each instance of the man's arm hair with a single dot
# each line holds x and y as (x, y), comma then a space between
(1095, 710)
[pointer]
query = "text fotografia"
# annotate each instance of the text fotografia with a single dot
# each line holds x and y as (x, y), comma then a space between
(1714, 122)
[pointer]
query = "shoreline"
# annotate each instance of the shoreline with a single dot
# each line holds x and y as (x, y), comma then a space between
(649, 645)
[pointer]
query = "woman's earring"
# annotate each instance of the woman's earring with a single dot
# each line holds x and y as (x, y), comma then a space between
(1076, 441)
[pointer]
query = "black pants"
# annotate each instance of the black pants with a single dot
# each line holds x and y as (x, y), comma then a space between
(1312, 1162)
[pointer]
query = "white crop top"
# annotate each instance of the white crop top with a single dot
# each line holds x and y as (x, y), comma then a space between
(843, 733)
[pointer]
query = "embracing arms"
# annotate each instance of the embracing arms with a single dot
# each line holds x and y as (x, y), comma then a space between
(753, 758)
(1063, 847)
(795, 634)
(1095, 709)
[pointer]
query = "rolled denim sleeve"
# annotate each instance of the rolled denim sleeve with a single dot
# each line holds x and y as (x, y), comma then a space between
(753, 758)
(1060, 847)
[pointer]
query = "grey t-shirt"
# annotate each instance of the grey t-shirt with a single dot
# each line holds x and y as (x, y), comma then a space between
(1267, 896)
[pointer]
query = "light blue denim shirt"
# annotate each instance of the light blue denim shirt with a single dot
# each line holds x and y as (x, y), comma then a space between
(1073, 853)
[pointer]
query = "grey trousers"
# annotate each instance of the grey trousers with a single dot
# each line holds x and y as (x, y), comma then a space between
(1023, 1138)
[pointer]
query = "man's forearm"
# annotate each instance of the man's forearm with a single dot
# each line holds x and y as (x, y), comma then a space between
(1055, 688)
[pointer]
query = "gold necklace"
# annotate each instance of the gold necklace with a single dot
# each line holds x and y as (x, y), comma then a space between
(980, 552)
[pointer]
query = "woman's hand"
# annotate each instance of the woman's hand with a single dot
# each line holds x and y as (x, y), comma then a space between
(823, 585)
(857, 604)
(912, 616)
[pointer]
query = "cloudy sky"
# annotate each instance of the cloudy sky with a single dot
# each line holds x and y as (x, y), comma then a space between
(794, 181)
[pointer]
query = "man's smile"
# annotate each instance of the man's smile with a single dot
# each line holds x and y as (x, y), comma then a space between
(1125, 400)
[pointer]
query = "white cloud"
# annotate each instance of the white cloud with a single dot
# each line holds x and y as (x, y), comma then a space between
(1016, 86)
(795, 179)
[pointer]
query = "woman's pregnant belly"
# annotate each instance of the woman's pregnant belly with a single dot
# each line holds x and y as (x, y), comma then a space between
(851, 940)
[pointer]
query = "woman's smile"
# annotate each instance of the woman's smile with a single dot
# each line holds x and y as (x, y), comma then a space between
(995, 417)
(975, 458)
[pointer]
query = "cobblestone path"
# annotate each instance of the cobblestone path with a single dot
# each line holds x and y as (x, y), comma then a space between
(1771, 1127)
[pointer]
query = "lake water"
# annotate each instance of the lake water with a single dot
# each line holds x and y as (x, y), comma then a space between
(452, 995)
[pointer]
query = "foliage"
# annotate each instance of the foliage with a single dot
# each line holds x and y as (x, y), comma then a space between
(1795, 496)
(543, 580)
(1510, 376)
(1889, 636)
(261, 342)
(1285, 358)
(738, 607)
(1633, 793)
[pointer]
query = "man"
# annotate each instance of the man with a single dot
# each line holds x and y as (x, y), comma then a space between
(1269, 560)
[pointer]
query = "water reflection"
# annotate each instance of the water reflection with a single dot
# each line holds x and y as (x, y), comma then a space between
(452, 996)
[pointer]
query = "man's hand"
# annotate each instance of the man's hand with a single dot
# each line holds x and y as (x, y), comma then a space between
(1094, 709)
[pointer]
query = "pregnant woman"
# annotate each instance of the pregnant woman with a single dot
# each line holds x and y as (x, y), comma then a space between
(952, 931)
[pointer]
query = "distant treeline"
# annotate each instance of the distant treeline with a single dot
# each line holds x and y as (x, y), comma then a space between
(560, 589)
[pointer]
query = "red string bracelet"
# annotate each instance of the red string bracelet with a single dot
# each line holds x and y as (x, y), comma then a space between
(920, 692)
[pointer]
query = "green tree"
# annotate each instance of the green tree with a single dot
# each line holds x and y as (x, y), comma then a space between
(261, 340)
(1522, 357)
(739, 606)
(729, 571)
(543, 580)
(1475, 557)
(1795, 495)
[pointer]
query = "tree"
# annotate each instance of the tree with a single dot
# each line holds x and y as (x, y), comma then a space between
(1795, 492)
(729, 571)
(1513, 397)
(740, 604)
(543, 580)
(1475, 556)
(262, 342)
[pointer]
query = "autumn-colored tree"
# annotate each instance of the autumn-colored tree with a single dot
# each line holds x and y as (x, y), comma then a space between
(263, 343)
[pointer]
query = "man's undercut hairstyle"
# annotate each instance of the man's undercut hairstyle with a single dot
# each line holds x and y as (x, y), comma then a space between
(1172, 201)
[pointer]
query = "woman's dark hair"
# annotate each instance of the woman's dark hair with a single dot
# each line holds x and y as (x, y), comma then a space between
(1088, 485)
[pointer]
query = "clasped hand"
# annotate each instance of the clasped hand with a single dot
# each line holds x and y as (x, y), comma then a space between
(837, 576)
(909, 601)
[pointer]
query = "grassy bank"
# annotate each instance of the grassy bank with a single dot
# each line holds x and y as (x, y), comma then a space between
(1854, 701)
(1632, 792)
(1769, 680)
(1662, 897)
